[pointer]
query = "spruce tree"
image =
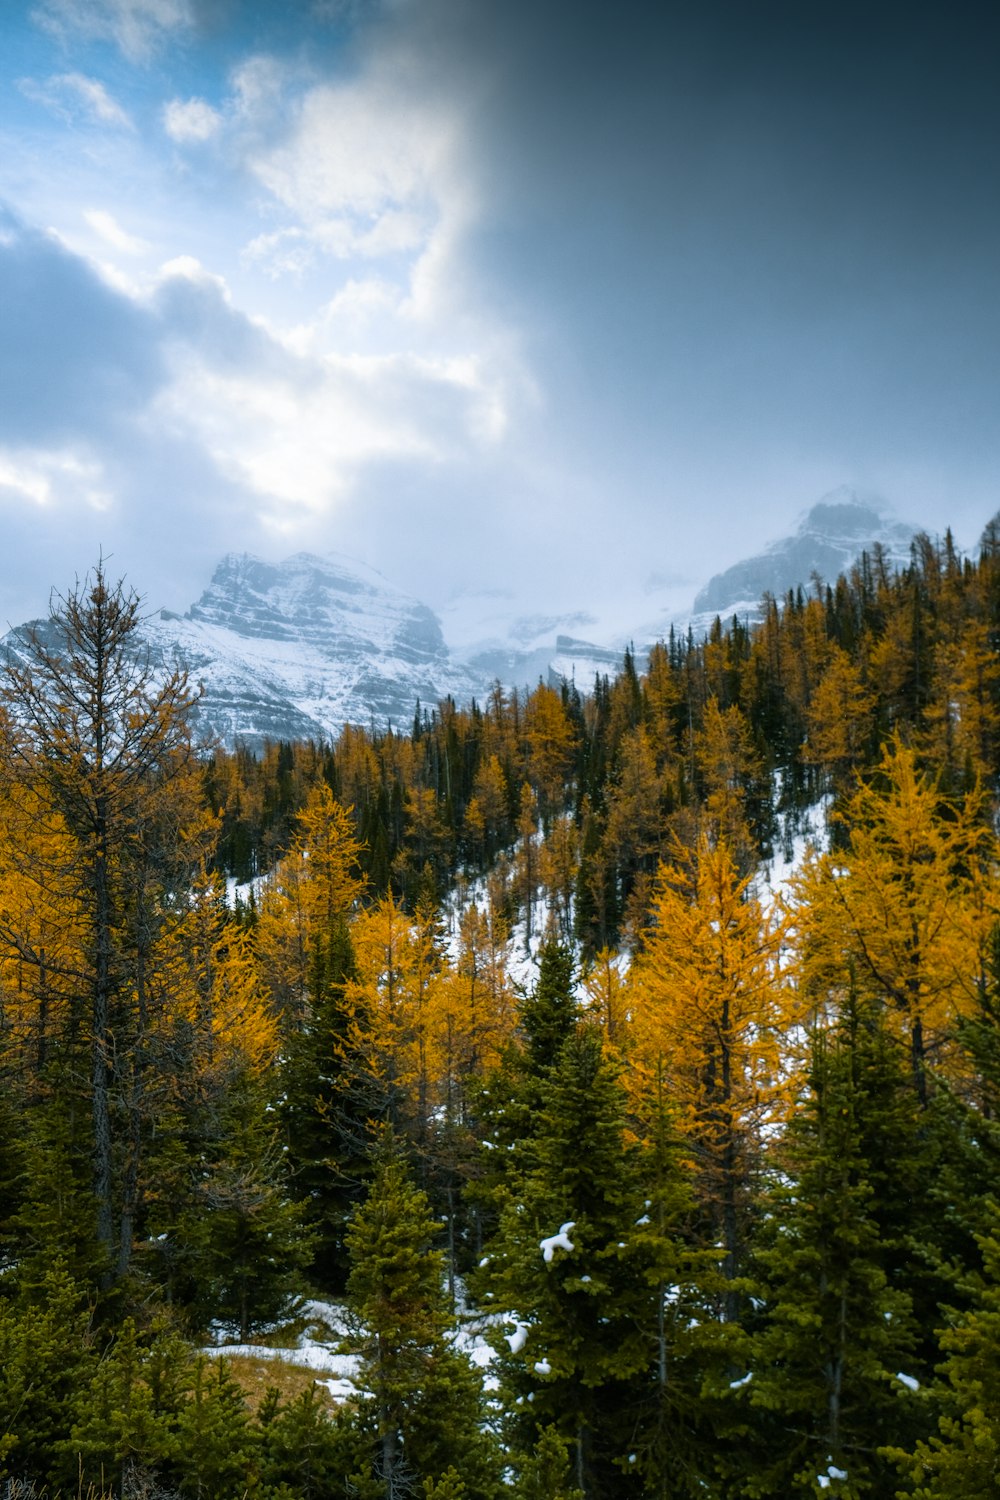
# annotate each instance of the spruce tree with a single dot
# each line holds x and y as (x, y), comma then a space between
(961, 1461)
(423, 1405)
(837, 1328)
(216, 1447)
(569, 1265)
(239, 1245)
(324, 1131)
(47, 1356)
(127, 1414)
(549, 1014)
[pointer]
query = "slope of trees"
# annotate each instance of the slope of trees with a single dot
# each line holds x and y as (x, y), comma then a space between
(506, 1009)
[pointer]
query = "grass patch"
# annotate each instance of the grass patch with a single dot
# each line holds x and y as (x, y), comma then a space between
(255, 1376)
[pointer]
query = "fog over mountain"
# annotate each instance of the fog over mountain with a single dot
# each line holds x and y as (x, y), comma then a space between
(295, 650)
(487, 294)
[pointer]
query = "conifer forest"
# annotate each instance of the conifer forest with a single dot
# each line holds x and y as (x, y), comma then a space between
(610, 1078)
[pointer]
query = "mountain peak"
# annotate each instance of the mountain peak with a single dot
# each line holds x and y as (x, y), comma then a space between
(829, 539)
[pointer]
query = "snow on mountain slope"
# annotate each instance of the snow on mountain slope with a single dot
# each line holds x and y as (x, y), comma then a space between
(829, 540)
(311, 643)
(297, 649)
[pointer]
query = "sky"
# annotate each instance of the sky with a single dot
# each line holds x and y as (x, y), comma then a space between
(582, 302)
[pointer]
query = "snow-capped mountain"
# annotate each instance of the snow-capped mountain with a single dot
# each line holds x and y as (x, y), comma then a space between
(496, 639)
(829, 540)
(297, 649)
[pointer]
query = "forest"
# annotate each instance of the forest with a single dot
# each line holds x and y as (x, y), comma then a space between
(652, 1030)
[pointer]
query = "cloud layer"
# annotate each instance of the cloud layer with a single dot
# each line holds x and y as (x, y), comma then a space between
(493, 294)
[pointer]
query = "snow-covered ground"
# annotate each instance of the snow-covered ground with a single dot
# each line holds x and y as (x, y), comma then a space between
(319, 1347)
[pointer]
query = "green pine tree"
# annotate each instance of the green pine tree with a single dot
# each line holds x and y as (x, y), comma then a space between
(550, 1012)
(216, 1448)
(125, 1429)
(545, 1472)
(304, 1448)
(238, 1248)
(570, 1265)
(961, 1461)
(424, 1405)
(837, 1328)
(684, 1431)
(47, 1357)
(325, 1132)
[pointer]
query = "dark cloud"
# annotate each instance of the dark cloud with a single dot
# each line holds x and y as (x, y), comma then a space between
(745, 252)
(197, 310)
(75, 357)
(741, 229)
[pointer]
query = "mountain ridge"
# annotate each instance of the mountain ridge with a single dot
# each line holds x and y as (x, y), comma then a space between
(299, 648)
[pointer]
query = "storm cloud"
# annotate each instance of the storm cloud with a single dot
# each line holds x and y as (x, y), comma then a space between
(553, 297)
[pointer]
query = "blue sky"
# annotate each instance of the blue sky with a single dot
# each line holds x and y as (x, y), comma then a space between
(527, 296)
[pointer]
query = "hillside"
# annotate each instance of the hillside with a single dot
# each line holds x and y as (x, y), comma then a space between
(504, 1028)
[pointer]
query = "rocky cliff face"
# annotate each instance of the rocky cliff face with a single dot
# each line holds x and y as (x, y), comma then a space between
(297, 649)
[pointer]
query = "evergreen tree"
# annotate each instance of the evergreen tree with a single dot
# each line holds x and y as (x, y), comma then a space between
(836, 1327)
(216, 1448)
(240, 1245)
(322, 1128)
(961, 1461)
(550, 1012)
(126, 1427)
(104, 752)
(47, 1356)
(569, 1265)
(423, 1402)
(685, 1433)
(304, 1448)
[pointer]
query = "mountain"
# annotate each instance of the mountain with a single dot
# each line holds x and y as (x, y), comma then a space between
(297, 649)
(829, 540)
(294, 650)
(496, 639)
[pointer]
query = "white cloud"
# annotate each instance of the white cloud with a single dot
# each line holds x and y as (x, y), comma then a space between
(44, 478)
(68, 93)
(299, 445)
(136, 27)
(367, 171)
(259, 87)
(190, 120)
(108, 228)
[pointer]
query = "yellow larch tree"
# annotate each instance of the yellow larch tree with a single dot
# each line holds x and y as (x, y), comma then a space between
(42, 937)
(550, 744)
(311, 892)
(208, 994)
(729, 771)
(558, 864)
(903, 912)
(962, 717)
(474, 1015)
(710, 1014)
(605, 983)
(386, 1033)
(839, 720)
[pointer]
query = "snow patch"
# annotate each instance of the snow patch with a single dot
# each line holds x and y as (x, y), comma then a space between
(560, 1241)
(519, 1337)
